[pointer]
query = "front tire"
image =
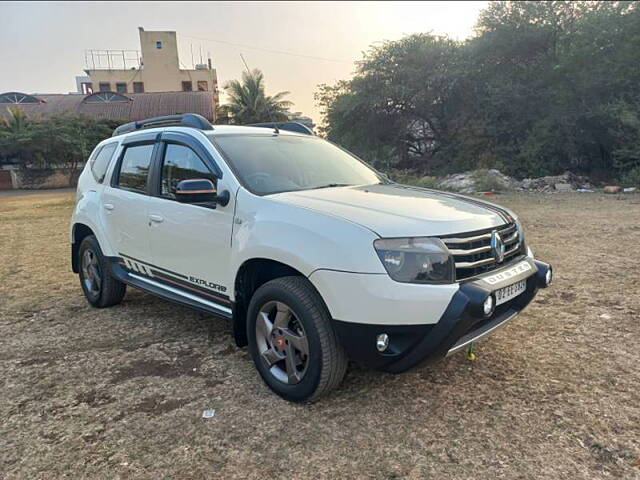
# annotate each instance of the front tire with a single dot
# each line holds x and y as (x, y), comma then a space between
(292, 342)
(100, 288)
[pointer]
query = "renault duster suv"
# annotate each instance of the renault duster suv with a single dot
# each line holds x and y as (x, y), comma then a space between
(314, 256)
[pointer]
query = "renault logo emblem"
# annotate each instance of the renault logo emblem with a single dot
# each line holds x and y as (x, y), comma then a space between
(497, 246)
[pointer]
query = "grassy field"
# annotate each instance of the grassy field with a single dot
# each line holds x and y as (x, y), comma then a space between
(119, 393)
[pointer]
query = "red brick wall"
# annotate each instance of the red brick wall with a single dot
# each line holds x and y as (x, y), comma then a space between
(5, 180)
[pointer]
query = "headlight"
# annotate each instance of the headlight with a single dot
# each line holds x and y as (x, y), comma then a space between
(416, 260)
(520, 231)
(523, 246)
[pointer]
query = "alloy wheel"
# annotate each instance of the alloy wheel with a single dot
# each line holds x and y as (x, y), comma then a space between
(282, 342)
(91, 275)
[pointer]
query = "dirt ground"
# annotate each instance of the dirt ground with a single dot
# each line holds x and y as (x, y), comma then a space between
(119, 392)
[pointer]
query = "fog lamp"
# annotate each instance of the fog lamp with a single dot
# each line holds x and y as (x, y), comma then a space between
(488, 305)
(548, 277)
(382, 342)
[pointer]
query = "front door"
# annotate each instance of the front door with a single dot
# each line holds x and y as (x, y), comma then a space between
(125, 206)
(190, 244)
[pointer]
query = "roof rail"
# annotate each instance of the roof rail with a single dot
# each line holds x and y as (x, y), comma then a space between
(192, 120)
(291, 126)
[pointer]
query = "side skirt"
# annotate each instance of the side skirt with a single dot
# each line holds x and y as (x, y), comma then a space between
(175, 292)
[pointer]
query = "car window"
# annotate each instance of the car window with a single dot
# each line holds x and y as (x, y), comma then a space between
(135, 168)
(181, 163)
(100, 163)
(277, 163)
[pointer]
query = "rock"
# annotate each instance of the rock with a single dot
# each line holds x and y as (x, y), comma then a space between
(551, 182)
(493, 180)
(629, 189)
(461, 182)
(475, 180)
(612, 189)
(563, 187)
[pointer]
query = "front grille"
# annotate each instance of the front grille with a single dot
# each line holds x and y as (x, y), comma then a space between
(473, 254)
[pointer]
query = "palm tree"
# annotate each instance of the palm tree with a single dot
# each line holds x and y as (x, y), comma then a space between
(248, 102)
(16, 136)
(16, 122)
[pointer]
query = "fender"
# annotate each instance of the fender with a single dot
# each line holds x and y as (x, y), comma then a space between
(301, 238)
(86, 213)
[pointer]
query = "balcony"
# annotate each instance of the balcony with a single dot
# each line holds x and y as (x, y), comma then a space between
(112, 59)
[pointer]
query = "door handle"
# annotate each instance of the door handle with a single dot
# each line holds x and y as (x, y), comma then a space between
(156, 218)
(109, 206)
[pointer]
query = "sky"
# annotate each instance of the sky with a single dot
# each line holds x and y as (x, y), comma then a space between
(42, 43)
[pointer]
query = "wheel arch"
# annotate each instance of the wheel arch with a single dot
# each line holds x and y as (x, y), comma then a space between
(79, 232)
(251, 275)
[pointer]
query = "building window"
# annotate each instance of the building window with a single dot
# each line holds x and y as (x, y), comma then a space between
(159, 44)
(105, 97)
(138, 87)
(86, 88)
(187, 87)
(105, 87)
(17, 97)
(202, 86)
(121, 87)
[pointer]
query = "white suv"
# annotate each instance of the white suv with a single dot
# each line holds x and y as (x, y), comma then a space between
(314, 256)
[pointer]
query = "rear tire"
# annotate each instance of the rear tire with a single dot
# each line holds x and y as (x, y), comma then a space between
(100, 288)
(292, 342)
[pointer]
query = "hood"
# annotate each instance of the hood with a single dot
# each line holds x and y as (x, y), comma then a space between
(400, 211)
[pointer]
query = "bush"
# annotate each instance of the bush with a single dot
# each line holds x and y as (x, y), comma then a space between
(62, 140)
(407, 177)
(631, 178)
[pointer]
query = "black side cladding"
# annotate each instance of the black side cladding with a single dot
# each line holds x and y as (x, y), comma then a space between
(171, 286)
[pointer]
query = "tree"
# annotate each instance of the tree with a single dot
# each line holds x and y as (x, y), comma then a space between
(541, 88)
(60, 141)
(409, 98)
(248, 102)
(16, 137)
(69, 140)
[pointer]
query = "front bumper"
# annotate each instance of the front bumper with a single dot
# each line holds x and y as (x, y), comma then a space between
(461, 323)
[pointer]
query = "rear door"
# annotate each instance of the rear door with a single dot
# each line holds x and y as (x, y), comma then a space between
(125, 203)
(190, 244)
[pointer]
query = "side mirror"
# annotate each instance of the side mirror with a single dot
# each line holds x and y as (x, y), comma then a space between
(200, 191)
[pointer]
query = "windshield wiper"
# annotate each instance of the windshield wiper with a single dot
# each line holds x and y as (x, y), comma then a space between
(331, 185)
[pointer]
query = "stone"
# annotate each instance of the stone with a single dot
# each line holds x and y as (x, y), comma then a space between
(467, 182)
(548, 183)
(612, 189)
(563, 187)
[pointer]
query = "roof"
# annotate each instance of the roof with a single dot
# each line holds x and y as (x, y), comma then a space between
(129, 107)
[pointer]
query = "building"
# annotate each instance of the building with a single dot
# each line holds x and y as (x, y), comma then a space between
(155, 68)
(127, 85)
(110, 105)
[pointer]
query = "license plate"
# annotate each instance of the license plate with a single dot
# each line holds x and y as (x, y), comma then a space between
(511, 291)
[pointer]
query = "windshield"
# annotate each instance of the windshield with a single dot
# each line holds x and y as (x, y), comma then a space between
(282, 163)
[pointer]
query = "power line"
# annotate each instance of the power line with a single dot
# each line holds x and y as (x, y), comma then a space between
(279, 52)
